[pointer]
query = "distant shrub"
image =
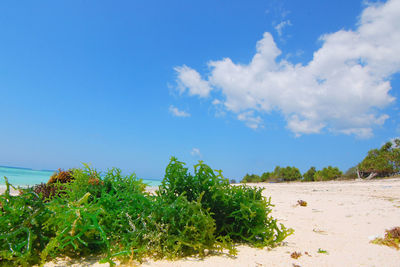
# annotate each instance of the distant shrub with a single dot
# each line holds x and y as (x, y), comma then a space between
(287, 173)
(351, 173)
(266, 176)
(251, 178)
(382, 162)
(309, 175)
(328, 173)
(232, 181)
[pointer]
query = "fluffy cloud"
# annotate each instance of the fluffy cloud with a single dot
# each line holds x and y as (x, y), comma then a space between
(191, 80)
(343, 89)
(195, 152)
(178, 113)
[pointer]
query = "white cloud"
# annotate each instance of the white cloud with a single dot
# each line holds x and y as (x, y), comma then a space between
(178, 113)
(254, 122)
(195, 152)
(342, 89)
(190, 79)
(282, 25)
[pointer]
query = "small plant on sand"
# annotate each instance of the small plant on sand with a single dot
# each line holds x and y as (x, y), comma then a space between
(302, 203)
(322, 251)
(391, 239)
(295, 255)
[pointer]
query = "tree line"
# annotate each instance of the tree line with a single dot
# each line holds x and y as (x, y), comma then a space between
(382, 162)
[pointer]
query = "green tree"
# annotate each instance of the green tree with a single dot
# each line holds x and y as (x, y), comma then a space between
(309, 175)
(251, 178)
(327, 173)
(266, 176)
(382, 162)
(286, 174)
(351, 173)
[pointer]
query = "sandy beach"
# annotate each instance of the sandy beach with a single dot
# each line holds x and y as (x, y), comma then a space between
(341, 218)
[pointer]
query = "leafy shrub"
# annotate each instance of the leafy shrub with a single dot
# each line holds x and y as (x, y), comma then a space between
(240, 212)
(61, 177)
(328, 173)
(251, 178)
(309, 175)
(48, 191)
(266, 176)
(287, 173)
(383, 162)
(114, 217)
(351, 173)
(21, 235)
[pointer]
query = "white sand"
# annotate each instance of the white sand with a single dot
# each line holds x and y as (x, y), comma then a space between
(340, 218)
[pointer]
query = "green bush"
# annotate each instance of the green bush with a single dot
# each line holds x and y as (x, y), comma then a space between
(114, 217)
(240, 212)
(266, 176)
(251, 178)
(382, 162)
(327, 173)
(309, 175)
(287, 173)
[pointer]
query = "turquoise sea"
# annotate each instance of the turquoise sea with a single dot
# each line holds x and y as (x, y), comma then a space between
(28, 177)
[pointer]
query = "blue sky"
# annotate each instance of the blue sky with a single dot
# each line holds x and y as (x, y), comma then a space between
(242, 85)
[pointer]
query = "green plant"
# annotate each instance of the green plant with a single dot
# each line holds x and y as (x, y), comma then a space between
(21, 236)
(114, 217)
(391, 239)
(328, 173)
(241, 213)
(61, 177)
(251, 178)
(382, 162)
(309, 175)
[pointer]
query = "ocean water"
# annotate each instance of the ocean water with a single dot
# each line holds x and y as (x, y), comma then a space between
(29, 177)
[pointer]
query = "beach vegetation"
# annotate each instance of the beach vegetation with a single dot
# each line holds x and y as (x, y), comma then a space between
(351, 173)
(280, 174)
(266, 176)
(287, 174)
(309, 175)
(382, 162)
(302, 203)
(295, 255)
(327, 173)
(114, 217)
(61, 176)
(391, 239)
(251, 178)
